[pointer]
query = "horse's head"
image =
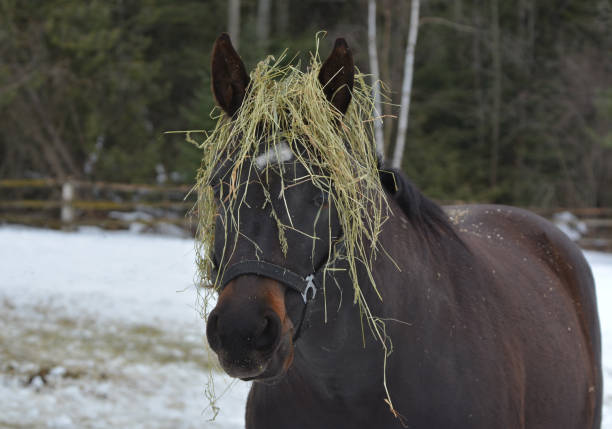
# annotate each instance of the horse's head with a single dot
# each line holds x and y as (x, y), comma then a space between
(279, 229)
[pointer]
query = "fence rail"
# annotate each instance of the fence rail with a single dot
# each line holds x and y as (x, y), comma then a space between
(67, 204)
(90, 205)
(42, 183)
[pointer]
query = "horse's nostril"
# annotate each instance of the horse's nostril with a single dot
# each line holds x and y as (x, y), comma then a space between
(269, 334)
(212, 333)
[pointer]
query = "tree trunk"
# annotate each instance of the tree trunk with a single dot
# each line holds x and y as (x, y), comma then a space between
(233, 22)
(53, 162)
(477, 73)
(53, 135)
(263, 23)
(497, 89)
(531, 26)
(385, 72)
(458, 11)
(373, 54)
(402, 128)
(282, 16)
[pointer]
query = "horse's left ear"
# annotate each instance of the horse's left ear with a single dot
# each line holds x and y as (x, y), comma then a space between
(337, 76)
(229, 77)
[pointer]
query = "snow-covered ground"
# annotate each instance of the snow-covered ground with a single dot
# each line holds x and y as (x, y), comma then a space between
(101, 330)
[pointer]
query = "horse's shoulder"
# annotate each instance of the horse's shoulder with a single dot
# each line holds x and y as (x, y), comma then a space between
(500, 223)
(507, 234)
(485, 213)
(506, 227)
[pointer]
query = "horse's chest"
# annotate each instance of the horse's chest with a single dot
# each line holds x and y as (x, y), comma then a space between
(299, 409)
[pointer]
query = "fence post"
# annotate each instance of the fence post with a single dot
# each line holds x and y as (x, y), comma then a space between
(67, 214)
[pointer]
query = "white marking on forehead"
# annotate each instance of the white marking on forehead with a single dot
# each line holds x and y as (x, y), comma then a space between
(280, 152)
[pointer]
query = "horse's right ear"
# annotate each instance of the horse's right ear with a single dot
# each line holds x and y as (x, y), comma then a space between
(337, 75)
(229, 77)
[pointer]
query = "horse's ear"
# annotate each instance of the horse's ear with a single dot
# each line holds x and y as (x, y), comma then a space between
(337, 75)
(229, 77)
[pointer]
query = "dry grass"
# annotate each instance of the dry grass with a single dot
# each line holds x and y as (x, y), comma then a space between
(287, 104)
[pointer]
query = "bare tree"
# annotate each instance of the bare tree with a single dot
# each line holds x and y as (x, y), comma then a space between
(263, 22)
(497, 71)
(386, 71)
(402, 128)
(373, 54)
(477, 72)
(458, 10)
(233, 21)
(34, 112)
(282, 16)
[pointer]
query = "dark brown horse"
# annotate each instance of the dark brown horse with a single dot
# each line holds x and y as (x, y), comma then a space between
(492, 312)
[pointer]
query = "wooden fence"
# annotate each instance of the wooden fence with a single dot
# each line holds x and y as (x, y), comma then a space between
(68, 204)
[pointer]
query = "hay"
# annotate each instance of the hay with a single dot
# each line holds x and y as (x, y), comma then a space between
(286, 103)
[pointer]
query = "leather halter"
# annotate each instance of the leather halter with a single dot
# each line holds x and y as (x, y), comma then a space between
(306, 286)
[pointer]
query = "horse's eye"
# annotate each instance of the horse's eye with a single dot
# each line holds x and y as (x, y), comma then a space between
(320, 199)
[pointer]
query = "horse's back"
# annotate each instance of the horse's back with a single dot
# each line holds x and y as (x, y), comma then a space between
(547, 282)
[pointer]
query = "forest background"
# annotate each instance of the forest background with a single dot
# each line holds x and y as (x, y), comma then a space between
(511, 100)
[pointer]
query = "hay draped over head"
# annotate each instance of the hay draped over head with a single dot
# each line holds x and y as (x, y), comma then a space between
(284, 103)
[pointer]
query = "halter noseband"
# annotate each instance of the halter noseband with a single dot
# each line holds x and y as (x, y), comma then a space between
(300, 284)
(306, 286)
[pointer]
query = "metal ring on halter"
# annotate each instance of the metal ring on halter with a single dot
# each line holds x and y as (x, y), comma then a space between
(310, 286)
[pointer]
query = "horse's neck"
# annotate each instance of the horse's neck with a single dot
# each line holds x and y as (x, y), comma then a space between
(346, 347)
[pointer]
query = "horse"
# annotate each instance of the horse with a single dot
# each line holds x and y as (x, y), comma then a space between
(491, 309)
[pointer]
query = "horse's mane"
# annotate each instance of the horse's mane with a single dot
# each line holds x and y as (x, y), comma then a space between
(422, 212)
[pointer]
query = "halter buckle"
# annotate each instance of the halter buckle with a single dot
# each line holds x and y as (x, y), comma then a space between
(310, 286)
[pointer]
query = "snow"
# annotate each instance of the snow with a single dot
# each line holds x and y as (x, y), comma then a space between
(101, 329)
(573, 227)
(601, 264)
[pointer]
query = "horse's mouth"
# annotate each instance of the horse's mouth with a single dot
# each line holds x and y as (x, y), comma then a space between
(261, 368)
(274, 371)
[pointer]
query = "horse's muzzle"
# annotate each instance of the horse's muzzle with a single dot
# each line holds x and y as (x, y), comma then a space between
(249, 330)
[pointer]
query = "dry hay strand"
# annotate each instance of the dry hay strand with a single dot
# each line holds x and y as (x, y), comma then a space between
(284, 103)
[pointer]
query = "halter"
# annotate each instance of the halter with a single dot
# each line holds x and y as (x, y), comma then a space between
(306, 286)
